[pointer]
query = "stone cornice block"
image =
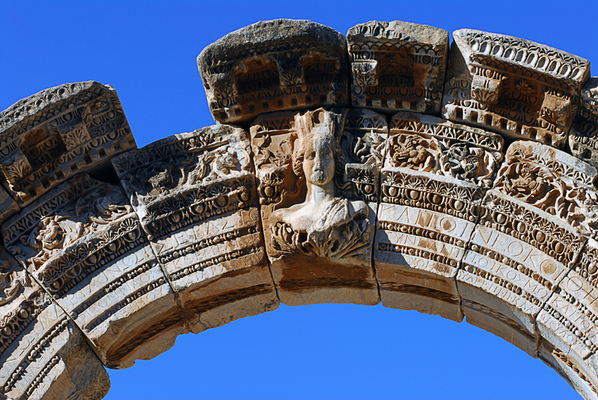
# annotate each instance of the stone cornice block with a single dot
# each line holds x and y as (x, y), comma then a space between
(273, 66)
(52, 135)
(397, 66)
(513, 86)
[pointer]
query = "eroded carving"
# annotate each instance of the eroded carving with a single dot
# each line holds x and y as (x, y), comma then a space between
(582, 137)
(397, 66)
(56, 133)
(552, 181)
(519, 88)
(429, 144)
(324, 225)
(41, 352)
(316, 214)
(274, 65)
(85, 245)
(195, 195)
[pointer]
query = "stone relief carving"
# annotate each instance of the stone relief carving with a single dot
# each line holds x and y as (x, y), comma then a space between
(512, 247)
(582, 137)
(519, 88)
(324, 225)
(364, 144)
(196, 197)
(56, 231)
(317, 211)
(397, 66)
(36, 336)
(71, 128)
(274, 65)
(551, 181)
(428, 144)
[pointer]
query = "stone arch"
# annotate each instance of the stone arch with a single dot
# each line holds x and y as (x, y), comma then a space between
(109, 252)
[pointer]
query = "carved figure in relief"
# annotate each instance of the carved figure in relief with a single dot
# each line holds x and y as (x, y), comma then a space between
(325, 224)
(90, 213)
(12, 282)
(51, 235)
(538, 185)
(414, 152)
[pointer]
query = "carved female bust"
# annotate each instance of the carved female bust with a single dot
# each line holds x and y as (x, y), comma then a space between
(325, 224)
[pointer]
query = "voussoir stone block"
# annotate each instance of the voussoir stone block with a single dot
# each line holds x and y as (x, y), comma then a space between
(196, 198)
(273, 66)
(397, 66)
(42, 354)
(318, 195)
(568, 321)
(434, 176)
(519, 88)
(576, 372)
(57, 133)
(83, 242)
(530, 234)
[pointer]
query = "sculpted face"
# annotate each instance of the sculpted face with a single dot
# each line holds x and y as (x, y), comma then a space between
(318, 162)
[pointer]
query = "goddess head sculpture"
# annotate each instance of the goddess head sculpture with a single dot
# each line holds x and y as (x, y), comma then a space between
(317, 155)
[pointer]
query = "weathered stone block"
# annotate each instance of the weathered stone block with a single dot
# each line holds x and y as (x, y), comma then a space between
(84, 244)
(530, 235)
(397, 66)
(516, 87)
(583, 137)
(575, 370)
(57, 133)
(364, 144)
(425, 221)
(517, 256)
(196, 198)
(42, 353)
(273, 66)
(568, 320)
(432, 184)
(318, 232)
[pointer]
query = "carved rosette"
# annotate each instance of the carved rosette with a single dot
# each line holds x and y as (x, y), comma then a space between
(57, 133)
(84, 244)
(195, 195)
(519, 88)
(274, 66)
(397, 66)
(41, 350)
(319, 248)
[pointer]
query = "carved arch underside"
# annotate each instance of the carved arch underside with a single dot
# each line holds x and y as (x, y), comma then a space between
(110, 252)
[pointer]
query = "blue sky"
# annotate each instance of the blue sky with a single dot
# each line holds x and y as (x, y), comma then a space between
(146, 51)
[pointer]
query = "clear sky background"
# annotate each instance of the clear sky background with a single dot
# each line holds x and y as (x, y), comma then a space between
(146, 51)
